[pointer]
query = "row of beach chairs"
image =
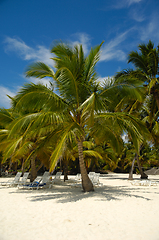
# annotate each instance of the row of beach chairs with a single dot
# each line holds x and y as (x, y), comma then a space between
(94, 177)
(40, 182)
(144, 183)
(46, 180)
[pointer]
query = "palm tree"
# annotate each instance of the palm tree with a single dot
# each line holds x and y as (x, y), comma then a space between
(21, 144)
(146, 74)
(77, 105)
(146, 63)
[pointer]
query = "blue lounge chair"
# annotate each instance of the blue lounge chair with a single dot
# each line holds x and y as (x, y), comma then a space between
(39, 182)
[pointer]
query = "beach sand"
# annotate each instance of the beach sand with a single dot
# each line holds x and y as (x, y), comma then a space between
(115, 211)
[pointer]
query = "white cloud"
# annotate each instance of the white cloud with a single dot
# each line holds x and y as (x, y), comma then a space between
(45, 81)
(83, 39)
(4, 99)
(125, 3)
(137, 15)
(41, 53)
(112, 50)
(105, 80)
(150, 31)
(129, 2)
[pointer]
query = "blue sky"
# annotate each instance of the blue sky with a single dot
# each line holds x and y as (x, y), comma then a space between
(28, 28)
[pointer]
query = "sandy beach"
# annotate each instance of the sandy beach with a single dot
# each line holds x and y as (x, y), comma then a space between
(116, 211)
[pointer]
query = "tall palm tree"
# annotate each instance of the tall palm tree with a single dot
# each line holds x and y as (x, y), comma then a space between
(146, 63)
(146, 73)
(78, 103)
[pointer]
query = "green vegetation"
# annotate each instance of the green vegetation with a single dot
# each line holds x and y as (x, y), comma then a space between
(77, 123)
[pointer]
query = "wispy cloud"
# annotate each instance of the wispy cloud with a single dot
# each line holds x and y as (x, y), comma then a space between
(150, 30)
(113, 49)
(130, 2)
(4, 99)
(40, 53)
(83, 39)
(125, 3)
(137, 15)
(45, 81)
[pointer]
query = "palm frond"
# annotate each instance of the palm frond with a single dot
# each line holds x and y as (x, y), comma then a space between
(61, 50)
(6, 117)
(90, 62)
(11, 148)
(127, 123)
(35, 97)
(21, 124)
(138, 60)
(39, 70)
(61, 141)
(92, 153)
(88, 144)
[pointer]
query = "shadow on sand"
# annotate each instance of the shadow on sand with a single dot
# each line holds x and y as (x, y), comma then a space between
(65, 194)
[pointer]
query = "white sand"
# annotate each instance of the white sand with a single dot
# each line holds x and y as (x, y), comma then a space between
(115, 211)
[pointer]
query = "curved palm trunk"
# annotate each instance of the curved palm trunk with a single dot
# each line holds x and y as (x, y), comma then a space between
(86, 182)
(143, 175)
(132, 168)
(33, 169)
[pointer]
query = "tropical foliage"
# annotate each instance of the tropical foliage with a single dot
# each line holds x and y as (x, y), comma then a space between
(76, 117)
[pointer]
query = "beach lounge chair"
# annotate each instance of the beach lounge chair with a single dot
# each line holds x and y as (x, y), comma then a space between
(45, 181)
(39, 182)
(78, 178)
(91, 175)
(15, 182)
(148, 183)
(95, 180)
(57, 177)
(31, 185)
(144, 183)
(77, 181)
(24, 179)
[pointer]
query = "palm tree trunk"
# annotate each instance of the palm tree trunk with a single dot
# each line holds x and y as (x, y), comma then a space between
(41, 164)
(23, 166)
(143, 175)
(65, 163)
(132, 168)
(86, 182)
(33, 169)
(0, 168)
(156, 96)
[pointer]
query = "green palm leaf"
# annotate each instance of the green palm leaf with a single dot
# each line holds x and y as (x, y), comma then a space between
(34, 97)
(92, 153)
(39, 70)
(6, 117)
(60, 144)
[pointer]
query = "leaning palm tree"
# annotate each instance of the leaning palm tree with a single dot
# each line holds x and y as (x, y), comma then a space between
(77, 104)
(20, 144)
